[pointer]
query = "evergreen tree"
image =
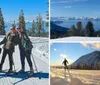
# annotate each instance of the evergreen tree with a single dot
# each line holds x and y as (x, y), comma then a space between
(47, 24)
(79, 28)
(14, 25)
(2, 25)
(73, 30)
(22, 20)
(89, 31)
(98, 33)
(39, 24)
(33, 28)
(32, 31)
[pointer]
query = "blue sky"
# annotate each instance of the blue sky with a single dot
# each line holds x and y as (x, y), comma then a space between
(70, 51)
(11, 8)
(78, 8)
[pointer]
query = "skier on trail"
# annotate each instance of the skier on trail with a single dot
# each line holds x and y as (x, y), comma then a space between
(65, 62)
(25, 47)
(9, 42)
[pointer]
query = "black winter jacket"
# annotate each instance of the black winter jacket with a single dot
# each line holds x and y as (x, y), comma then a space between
(9, 41)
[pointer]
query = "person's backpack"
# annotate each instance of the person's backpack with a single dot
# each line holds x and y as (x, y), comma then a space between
(28, 45)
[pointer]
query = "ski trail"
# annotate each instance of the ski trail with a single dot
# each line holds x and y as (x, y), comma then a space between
(41, 57)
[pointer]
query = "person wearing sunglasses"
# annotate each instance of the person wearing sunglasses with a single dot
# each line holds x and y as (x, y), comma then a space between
(9, 43)
(25, 47)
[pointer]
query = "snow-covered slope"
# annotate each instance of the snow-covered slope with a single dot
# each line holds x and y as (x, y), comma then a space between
(41, 55)
(76, 39)
(89, 59)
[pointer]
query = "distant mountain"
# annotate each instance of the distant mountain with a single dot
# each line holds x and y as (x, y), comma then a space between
(57, 28)
(28, 25)
(91, 59)
(74, 18)
(57, 31)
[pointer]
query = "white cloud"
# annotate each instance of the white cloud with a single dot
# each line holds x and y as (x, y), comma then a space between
(67, 1)
(91, 45)
(80, 0)
(65, 56)
(68, 7)
(62, 55)
(59, 2)
(56, 50)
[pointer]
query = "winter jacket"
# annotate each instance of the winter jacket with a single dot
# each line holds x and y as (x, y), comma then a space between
(24, 41)
(9, 42)
(65, 62)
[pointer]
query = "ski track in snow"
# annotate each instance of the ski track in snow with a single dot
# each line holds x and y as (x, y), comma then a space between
(41, 56)
(74, 77)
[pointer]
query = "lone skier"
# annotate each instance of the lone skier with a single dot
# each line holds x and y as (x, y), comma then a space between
(65, 62)
(9, 42)
(25, 47)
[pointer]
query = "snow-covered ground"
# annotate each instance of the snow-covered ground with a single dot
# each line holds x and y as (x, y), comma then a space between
(74, 77)
(41, 55)
(77, 39)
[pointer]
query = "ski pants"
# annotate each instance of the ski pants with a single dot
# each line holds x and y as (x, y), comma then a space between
(65, 67)
(26, 54)
(5, 52)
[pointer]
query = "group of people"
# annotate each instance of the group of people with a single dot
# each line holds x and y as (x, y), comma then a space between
(19, 37)
(16, 37)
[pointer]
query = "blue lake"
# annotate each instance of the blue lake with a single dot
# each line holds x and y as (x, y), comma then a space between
(69, 23)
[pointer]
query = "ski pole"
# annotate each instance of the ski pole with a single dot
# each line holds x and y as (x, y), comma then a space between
(35, 66)
(13, 63)
(34, 62)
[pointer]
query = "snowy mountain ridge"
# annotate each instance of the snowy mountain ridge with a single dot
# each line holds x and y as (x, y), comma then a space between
(90, 59)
